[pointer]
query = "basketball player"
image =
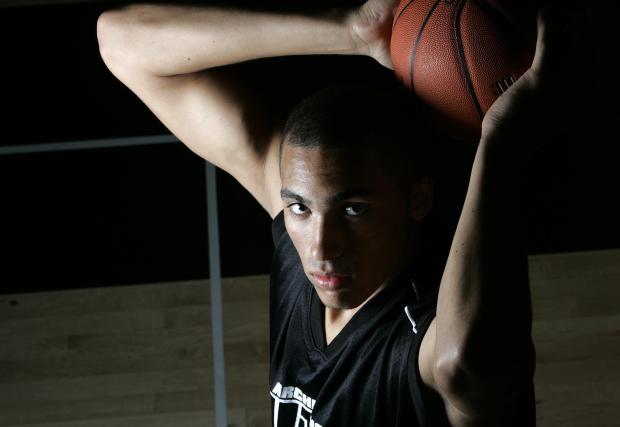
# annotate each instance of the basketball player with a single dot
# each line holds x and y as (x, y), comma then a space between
(357, 336)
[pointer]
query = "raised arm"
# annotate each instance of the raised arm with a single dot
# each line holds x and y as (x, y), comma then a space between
(170, 57)
(477, 353)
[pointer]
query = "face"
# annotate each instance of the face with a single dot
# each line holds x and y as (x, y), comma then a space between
(352, 225)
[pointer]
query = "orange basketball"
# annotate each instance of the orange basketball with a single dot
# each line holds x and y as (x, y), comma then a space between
(458, 56)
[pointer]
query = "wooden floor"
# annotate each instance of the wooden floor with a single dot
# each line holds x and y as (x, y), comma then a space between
(576, 301)
(141, 355)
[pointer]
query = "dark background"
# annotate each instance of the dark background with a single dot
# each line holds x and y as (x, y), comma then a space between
(135, 215)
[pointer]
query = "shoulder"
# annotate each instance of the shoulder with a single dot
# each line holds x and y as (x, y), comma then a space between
(287, 275)
(278, 228)
(285, 257)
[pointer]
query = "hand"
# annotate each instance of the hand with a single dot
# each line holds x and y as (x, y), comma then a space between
(562, 88)
(370, 26)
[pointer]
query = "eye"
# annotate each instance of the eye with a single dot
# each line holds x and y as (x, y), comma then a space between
(356, 209)
(298, 209)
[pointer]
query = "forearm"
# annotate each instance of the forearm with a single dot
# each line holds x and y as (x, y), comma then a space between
(167, 40)
(484, 312)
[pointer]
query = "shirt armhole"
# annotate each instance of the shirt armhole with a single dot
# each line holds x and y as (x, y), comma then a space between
(429, 407)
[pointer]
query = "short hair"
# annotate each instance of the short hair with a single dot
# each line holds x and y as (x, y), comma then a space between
(384, 120)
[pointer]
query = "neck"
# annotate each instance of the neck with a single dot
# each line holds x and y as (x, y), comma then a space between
(337, 318)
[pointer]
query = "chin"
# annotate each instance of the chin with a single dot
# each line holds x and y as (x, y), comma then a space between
(341, 300)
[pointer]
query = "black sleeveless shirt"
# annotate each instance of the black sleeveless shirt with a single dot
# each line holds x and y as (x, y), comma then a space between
(368, 375)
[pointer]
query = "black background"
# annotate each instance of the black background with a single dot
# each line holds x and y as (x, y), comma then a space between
(135, 215)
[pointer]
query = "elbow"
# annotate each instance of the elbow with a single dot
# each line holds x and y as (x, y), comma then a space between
(477, 383)
(120, 33)
(111, 36)
(451, 374)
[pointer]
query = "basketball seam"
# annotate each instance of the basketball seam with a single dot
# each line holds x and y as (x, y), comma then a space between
(463, 60)
(417, 40)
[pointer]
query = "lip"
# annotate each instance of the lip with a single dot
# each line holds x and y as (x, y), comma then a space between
(330, 281)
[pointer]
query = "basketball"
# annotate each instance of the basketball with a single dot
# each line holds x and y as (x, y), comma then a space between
(458, 56)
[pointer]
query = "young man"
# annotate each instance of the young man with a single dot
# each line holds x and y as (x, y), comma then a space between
(356, 338)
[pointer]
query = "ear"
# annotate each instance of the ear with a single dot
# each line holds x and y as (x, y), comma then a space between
(422, 197)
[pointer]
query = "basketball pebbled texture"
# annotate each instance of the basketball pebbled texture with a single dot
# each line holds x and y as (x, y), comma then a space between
(458, 56)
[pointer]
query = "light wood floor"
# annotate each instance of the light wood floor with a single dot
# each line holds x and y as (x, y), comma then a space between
(140, 355)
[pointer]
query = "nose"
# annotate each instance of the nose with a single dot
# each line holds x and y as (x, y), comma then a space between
(327, 239)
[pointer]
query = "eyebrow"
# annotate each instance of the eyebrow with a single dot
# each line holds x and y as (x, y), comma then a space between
(285, 193)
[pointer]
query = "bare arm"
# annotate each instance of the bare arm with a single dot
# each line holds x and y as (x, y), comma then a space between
(169, 56)
(483, 358)
(477, 351)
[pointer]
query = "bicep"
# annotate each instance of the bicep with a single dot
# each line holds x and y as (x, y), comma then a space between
(220, 118)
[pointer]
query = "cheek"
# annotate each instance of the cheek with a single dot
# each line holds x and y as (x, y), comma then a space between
(386, 245)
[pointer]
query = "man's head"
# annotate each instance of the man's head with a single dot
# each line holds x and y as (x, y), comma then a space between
(354, 187)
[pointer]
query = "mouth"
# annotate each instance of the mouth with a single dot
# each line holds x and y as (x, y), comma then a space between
(331, 281)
